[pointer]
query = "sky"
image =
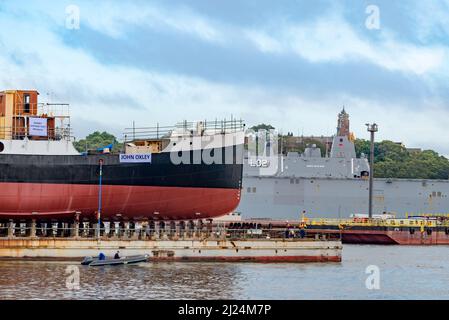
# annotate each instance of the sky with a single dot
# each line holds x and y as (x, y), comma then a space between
(291, 63)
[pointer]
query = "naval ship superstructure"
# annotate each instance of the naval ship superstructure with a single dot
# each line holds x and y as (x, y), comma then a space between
(334, 186)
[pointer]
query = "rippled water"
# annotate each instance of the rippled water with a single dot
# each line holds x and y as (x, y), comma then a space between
(405, 272)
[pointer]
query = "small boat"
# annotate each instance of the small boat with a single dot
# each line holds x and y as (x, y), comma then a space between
(95, 262)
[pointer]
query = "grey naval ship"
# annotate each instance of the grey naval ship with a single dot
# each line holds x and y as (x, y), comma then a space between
(334, 186)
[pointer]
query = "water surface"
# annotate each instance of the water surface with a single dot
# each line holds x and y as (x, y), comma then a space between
(405, 273)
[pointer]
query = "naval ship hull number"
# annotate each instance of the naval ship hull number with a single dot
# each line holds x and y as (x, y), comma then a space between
(260, 163)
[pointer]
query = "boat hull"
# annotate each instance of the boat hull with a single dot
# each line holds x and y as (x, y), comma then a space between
(38, 186)
(287, 197)
(25, 200)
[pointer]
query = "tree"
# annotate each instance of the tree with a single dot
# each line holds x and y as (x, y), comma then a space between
(392, 160)
(262, 126)
(97, 140)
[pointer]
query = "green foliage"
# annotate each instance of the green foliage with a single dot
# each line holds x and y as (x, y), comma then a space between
(262, 126)
(98, 140)
(392, 160)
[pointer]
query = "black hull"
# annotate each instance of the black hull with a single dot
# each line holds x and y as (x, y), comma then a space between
(161, 172)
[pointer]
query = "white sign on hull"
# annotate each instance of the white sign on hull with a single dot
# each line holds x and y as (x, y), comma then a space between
(135, 158)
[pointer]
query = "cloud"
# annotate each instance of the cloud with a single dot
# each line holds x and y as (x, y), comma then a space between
(264, 42)
(330, 39)
(115, 19)
(431, 19)
(107, 96)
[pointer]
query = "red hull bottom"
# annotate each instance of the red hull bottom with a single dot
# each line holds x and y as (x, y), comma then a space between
(35, 200)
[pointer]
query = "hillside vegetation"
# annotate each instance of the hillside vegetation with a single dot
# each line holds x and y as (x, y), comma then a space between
(392, 160)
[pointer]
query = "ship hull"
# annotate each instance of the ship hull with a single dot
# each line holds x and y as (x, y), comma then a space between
(46, 186)
(389, 236)
(25, 200)
(287, 198)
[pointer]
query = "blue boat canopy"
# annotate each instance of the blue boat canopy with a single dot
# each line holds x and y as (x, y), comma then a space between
(109, 146)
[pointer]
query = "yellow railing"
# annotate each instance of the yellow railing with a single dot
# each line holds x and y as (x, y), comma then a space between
(376, 222)
(430, 215)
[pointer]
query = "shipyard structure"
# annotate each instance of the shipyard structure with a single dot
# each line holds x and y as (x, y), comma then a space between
(334, 186)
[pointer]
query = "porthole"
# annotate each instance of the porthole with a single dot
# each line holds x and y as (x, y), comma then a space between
(2, 147)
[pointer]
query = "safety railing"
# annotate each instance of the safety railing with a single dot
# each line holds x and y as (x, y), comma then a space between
(22, 231)
(20, 133)
(182, 129)
(376, 222)
(57, 110)
(427, 215)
